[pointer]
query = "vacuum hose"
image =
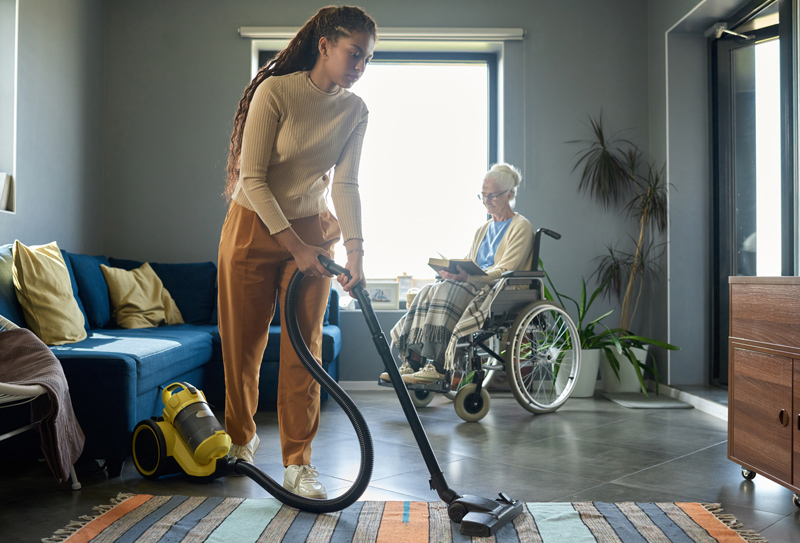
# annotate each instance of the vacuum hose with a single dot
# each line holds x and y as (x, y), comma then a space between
(341, 397)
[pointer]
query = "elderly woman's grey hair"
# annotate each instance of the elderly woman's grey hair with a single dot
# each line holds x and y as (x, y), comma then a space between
(507, 177)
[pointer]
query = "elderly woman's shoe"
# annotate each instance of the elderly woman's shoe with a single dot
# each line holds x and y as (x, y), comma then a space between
(425, 376)
(405, 369)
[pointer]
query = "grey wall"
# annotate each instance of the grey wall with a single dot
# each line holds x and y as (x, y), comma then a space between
(175, 72)
(690, 206)
(59, 132)
(142, 178)
(680, 136)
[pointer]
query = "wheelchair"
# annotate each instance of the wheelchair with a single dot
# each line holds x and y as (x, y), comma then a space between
(531, 339)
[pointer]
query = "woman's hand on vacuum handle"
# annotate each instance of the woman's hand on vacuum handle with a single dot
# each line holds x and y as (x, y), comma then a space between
(305, 256)
(355, 258)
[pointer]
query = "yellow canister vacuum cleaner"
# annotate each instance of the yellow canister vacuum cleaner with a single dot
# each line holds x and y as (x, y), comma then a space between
(189, 438)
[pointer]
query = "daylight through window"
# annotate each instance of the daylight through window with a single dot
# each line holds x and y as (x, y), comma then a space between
(426, 150)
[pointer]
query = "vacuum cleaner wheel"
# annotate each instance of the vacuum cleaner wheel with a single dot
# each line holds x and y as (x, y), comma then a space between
(150, 451)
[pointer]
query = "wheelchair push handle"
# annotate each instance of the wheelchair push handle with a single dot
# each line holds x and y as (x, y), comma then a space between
(554, 235)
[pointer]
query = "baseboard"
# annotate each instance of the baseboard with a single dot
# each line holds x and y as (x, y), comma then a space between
(706, 406)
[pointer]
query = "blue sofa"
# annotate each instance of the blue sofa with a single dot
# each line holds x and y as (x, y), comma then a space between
(116, 375)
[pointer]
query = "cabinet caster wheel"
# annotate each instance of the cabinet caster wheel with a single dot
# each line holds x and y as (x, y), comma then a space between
(747, 474)
(796, 501)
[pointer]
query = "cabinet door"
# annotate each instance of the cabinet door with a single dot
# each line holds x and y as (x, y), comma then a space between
(795, 423)
(762, 389)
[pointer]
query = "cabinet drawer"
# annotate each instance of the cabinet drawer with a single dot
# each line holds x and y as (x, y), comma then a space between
(766, 312)
(762, 388)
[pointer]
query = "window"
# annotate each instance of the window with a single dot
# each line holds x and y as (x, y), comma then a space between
(431, 136)
(8, 53)
(435, 128)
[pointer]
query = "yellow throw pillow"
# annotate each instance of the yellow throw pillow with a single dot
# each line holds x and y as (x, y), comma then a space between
(41, 280)
(139, 299)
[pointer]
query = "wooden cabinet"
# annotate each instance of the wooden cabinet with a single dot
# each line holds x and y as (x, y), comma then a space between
(764, 379)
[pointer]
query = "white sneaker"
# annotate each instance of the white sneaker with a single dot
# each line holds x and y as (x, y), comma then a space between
(426, 375)
(405, 369)
(302, 480)
(246, 452)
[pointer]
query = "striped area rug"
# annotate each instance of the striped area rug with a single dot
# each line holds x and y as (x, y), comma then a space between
(149, 519)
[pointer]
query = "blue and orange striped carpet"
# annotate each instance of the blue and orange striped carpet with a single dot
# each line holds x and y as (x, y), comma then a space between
(148, 519)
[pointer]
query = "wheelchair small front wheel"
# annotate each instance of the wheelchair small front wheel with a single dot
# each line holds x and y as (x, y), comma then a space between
(462, 368)
(421, 398)
(471, 406)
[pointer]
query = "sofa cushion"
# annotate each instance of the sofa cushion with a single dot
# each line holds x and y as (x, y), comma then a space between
(192, 286)
(92, 288)
(43, 288)
(139, 299)
(161, 354)
(9, 305)
(75, 290)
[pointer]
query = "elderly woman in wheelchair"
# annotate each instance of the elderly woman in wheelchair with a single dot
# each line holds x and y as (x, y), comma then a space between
(451, 335)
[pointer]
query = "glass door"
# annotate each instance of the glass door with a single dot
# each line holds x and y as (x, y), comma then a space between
(751, 225)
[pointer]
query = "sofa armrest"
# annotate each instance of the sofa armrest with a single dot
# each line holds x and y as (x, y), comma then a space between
(103, 392)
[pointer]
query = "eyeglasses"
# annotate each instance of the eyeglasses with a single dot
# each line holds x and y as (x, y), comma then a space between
(491, 197)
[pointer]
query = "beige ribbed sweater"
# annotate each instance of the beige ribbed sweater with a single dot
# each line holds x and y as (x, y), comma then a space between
(293, 136)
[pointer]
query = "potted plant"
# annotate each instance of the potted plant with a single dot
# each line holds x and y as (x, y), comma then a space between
(597, 339)
(611, 174)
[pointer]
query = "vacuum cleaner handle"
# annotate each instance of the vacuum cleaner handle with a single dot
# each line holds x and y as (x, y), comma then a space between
(332, 266)
(358, 292)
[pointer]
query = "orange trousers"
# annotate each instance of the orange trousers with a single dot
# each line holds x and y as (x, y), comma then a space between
(254, 269)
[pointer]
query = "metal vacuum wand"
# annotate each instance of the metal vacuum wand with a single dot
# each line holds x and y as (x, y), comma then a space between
(477, 516)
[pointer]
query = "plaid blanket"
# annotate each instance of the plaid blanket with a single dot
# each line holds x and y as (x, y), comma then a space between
(440, 314)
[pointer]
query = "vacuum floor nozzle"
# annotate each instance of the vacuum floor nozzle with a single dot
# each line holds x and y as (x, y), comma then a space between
(482, 517)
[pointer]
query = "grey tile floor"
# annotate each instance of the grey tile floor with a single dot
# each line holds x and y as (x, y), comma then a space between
(591, 449)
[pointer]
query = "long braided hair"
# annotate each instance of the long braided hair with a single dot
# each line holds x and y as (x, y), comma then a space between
(331, 22)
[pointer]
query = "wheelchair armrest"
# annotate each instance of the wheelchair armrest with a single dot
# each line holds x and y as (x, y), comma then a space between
(523, 274)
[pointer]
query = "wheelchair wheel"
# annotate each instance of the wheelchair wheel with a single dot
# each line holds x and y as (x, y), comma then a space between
(461, 370)
(542, 367)
(421, 398)
(470, 406)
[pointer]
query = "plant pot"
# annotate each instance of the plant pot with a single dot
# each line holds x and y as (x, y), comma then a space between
(628, 381)
(587, 377)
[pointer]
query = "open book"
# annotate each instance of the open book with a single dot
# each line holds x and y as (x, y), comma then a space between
(469, 266)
